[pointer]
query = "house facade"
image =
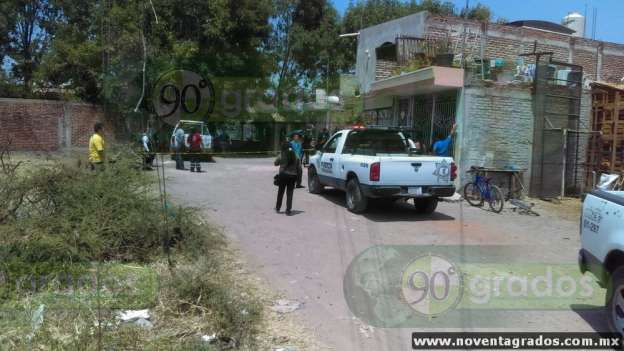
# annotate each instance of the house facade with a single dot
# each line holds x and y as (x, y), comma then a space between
(520, 93)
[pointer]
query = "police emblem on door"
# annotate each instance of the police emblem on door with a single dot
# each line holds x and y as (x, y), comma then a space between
(443, 170)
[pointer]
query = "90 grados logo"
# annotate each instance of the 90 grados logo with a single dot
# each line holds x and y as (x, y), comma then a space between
(432, 285)
(181, 94)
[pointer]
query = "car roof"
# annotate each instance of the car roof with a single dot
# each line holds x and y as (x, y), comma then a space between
(370, 129)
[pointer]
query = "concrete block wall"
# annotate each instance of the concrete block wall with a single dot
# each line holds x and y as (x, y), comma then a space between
(46, 125)
(496, 128)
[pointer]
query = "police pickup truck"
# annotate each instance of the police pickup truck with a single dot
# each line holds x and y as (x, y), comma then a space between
(379, 163)
(602, 249)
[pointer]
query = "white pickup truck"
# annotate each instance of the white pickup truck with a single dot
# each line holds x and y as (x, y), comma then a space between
(602, 249)
(378, 163)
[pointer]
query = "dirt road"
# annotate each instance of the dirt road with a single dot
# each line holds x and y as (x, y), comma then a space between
(306, 256)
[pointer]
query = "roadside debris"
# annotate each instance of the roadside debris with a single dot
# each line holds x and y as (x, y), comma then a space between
(209, 338)
(36, 320)
(139, 318)
(366, 331)
(286, 306)
(144, 323)
(523, 208)
(133, 315)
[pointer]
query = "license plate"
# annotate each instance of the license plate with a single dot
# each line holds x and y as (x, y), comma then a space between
(414, 190)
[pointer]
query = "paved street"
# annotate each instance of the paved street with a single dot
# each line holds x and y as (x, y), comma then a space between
(305, 256)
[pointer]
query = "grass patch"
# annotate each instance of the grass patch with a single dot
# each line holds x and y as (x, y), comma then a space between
(77, 246)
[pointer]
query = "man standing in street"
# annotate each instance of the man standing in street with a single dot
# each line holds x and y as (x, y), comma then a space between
(178, 147)
(297, 147)
(195, 143)
(442, 147)
(96, 147)
(148, 153)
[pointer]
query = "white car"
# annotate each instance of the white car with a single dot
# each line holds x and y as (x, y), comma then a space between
(379, 163)
(602, 248)
(187, 126)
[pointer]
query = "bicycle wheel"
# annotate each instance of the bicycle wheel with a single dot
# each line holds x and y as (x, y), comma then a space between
(496, 200)
(472, 194)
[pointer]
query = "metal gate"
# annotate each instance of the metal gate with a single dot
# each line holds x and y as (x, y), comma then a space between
(556, 148)
(434, 116)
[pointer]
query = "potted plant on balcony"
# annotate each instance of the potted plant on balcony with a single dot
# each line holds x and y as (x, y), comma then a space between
(444, 52)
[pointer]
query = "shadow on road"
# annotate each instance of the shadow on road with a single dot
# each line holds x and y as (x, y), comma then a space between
(387, 211)
(596, 317)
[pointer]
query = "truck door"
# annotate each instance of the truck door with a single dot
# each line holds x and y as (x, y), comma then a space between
(593, 218)
(329, 162)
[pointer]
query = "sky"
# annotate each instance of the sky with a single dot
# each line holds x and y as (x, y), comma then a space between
(610, 23)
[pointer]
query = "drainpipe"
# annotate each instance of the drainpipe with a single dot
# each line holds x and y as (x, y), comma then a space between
(564, 147)
(433, 112)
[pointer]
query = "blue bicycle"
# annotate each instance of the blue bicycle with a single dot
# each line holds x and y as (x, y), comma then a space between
(481, 190)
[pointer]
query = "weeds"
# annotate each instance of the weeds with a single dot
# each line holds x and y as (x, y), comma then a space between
(60, 223)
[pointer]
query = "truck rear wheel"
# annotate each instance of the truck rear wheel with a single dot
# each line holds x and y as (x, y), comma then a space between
(314, 183)
(615, 301)
(356, 201)
(426, 205)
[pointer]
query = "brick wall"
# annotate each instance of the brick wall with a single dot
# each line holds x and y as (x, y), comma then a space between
(497, 128)
(42, 125)
(384, 69)
(506, 42)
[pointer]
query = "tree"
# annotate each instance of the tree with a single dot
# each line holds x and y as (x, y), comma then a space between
(29, 37)
(98, 47)
(7, 17)
(306, 45)
(478, 12)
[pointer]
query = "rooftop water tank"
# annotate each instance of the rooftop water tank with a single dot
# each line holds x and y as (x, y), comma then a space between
(576, 22)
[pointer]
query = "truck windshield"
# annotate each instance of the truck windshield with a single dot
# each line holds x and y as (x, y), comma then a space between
(375, 142)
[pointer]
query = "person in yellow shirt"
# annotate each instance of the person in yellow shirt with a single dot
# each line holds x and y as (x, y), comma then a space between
(96, 147)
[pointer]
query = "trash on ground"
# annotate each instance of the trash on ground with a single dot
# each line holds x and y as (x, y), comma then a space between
(144, 323)
(366, 330)
(36, 320)
(523, 207)
(209, 338)
(133, 315)
(286, 306)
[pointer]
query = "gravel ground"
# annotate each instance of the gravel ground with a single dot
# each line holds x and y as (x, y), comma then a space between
(305, 257)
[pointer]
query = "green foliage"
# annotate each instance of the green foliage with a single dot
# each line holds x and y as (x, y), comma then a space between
(478, 12)
(414, 64)
(62, 214)
(62, 224)
(28, 36)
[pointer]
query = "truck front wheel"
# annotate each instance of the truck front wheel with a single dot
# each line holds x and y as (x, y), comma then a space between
(615, 301)
(314, 183)
(356, 201)
(426, 205)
